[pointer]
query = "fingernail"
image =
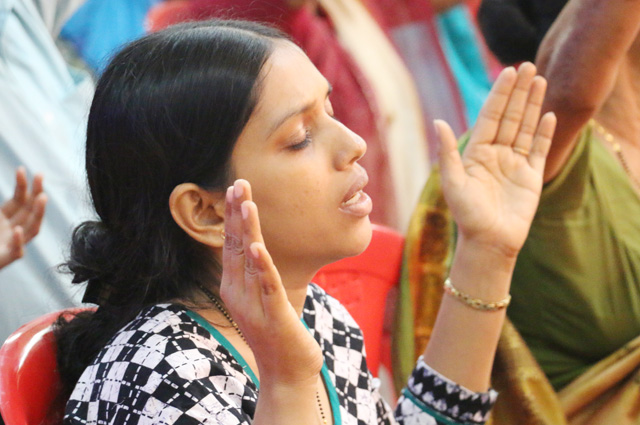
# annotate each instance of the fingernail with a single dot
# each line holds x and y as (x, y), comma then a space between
(229, 194)
(254, 250)
(238, 190)
(245, 210)
(436, 127)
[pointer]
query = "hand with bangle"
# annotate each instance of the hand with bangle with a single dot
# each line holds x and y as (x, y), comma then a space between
(492, 191)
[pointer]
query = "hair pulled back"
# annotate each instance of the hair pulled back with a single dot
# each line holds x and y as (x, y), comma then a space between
(167, 110)
(514, 29)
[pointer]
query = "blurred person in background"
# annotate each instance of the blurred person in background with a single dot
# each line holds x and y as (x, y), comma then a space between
(99, 28)
(20, 218)
(43, 109)
(576, 292)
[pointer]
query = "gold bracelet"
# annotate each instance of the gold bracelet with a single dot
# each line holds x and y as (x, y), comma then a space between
(474, 302)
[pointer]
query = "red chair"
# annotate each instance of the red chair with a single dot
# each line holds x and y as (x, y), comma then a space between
(30, 386)
(363, 284)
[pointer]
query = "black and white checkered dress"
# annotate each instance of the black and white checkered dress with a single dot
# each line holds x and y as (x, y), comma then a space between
(169, 366)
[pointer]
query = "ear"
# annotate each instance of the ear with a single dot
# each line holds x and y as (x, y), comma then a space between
(199, 212)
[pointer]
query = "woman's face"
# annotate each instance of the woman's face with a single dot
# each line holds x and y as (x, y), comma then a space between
(302, 167)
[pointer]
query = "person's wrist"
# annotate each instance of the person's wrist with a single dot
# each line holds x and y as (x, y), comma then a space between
(481, 270)
(492, 248)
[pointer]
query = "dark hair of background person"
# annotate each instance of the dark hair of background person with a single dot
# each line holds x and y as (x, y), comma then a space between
(167, 110)
(514, 29)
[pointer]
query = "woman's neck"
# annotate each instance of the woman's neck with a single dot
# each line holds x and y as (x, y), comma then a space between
(620, 113)
(296, 284)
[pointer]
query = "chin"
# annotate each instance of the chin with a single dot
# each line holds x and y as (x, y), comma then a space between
(358, 240)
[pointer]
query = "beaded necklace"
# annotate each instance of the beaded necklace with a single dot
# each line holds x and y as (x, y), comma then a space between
(233, 323)
(611, 140)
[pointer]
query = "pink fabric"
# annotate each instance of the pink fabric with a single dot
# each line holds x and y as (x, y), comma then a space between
(411, 26)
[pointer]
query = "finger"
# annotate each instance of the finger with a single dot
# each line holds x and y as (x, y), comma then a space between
(542, 141)
(227, 249)
(529, 124)
(32, 225)
(252, 233)
(19, 194)
(512, 118)
(451, 168)
(251, 227)
(234, 261)
(274, 297)
(23, 214)
(486, 127)
(37, 185)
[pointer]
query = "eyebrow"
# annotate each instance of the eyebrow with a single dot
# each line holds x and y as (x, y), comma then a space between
(304, 108)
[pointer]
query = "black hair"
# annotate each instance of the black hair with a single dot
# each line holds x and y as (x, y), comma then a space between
(514, 29)
(167, 110)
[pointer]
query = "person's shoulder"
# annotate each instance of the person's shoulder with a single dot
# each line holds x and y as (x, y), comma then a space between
(162, 339)
(160, 321)
(160, 359)
(156, 338)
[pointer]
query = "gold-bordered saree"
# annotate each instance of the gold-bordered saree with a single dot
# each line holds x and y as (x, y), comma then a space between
(606, 394)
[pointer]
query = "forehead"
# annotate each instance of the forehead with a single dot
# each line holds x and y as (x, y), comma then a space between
(288, 79)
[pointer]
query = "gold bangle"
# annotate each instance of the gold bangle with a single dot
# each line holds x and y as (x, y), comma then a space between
(474, 302)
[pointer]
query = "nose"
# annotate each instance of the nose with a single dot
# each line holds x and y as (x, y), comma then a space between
(351, 147)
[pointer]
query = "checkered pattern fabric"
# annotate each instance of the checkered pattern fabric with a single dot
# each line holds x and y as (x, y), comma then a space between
(165, 368)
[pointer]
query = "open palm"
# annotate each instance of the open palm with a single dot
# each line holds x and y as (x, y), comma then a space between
(20, 217)
(494, 188)
(253, 292)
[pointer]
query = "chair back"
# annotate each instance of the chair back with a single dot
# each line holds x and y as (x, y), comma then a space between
(30, 386)
(362, 284)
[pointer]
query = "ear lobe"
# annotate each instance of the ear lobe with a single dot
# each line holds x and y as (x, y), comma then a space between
(199, 212)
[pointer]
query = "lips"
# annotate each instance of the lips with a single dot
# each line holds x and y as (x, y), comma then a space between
(358, 184)
(356, 201)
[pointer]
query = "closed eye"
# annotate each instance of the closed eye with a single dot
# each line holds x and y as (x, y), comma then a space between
(304, 143)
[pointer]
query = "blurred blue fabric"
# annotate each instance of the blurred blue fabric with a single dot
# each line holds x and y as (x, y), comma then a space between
(100, 27)
(43, 109)
(459, 41)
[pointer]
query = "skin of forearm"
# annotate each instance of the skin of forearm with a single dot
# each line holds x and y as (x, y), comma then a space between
(464, 340)
(580, 57)
(580, 54)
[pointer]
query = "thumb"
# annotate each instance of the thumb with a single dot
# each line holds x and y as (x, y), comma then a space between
(451, 168)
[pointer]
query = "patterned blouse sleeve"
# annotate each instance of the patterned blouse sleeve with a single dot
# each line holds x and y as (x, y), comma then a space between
(431, 399)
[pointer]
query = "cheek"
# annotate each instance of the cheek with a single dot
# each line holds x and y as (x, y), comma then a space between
(289, 196)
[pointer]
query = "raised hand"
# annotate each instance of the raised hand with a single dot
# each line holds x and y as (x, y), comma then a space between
(21, 217)
(285, 351)
(494, 189)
